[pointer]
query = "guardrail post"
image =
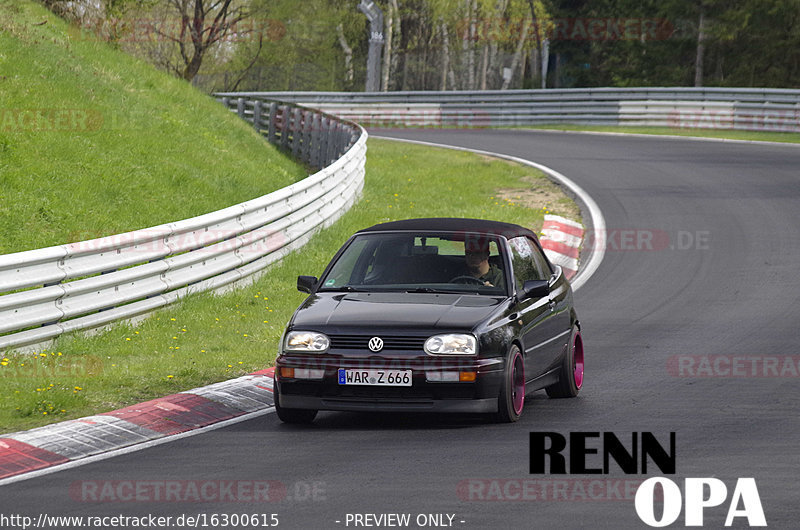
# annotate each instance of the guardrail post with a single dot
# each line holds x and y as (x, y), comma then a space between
(329, 156)
(308, 131)
(296, 128)
(273, 114)
(322, 152)
(285, 126)
(316, 140)
(257, 116)
(240, 108)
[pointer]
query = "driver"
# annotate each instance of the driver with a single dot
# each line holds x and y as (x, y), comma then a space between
(478, 266)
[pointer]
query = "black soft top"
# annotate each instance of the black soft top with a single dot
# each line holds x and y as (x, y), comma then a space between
(451, 224)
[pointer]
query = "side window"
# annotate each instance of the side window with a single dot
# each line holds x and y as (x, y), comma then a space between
(527, 261)
(541, 262)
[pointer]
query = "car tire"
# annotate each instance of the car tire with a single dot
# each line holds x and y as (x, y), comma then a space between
(293, 415)
(570, 375)
(511, 400)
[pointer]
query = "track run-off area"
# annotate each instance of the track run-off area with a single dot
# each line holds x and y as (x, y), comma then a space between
(689, 324)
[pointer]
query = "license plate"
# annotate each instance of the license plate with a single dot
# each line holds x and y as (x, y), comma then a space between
(375, 377)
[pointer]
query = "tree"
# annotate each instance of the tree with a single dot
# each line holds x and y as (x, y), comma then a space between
(203, 23)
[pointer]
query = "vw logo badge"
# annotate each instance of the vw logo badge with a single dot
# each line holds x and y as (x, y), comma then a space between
(375, 344)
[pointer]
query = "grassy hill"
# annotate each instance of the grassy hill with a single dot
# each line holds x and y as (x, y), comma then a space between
(94, 142)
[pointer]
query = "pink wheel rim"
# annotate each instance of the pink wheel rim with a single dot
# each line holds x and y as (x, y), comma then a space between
(577, 360)
(518, 385)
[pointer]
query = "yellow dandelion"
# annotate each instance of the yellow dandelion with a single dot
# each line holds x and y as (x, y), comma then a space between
(136, 332)
(78, 388)
(174, 337)
(202, 351)
(127, 338)
(3, 363)
(172, 319)
(245, 335)
(59, 354)
(170, 376)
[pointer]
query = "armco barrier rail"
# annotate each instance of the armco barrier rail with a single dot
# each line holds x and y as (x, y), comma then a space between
(77, 286)
(753, 109)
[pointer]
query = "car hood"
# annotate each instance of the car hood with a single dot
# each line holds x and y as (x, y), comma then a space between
(393, 310)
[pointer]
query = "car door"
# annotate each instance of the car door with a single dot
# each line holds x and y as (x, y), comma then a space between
(558, 325)
(538, 331)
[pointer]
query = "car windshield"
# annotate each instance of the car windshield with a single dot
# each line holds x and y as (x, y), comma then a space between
(420, 262)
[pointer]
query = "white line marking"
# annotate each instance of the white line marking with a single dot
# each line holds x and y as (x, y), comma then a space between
(668, 136)
(133, 448)
(598, 221)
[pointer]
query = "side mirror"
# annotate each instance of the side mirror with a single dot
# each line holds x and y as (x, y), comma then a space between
(306, 284)
(535, 289)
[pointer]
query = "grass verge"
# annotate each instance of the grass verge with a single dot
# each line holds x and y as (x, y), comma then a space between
(207, 338)
(94, 142)
(762, 136)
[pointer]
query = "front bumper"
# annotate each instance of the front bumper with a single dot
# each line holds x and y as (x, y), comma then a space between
(327, 394)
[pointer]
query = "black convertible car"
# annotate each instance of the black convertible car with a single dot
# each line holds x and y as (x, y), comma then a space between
(444, 315)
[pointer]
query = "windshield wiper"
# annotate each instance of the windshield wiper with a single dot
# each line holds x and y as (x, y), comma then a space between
(431, 290)
(346, 288)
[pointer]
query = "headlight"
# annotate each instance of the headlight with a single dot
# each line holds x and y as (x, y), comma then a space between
(451, 344)
(306, 341)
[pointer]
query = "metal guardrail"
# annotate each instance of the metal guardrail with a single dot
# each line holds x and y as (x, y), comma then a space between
(754, 109)
(84, 285)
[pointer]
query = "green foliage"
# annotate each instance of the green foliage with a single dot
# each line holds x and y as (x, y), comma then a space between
(94, 142)
(747, 43)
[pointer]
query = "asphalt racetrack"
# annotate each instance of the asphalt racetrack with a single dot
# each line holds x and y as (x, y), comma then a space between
(690, 326)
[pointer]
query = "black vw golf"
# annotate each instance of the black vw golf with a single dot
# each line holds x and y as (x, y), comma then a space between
(443, 315)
